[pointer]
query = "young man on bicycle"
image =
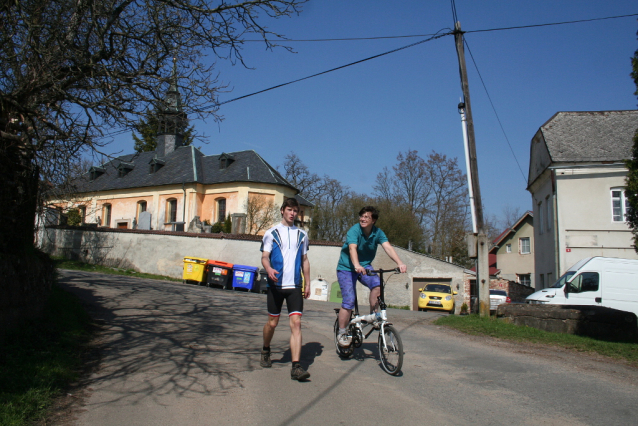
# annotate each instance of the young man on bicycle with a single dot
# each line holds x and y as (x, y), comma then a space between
(357, 254)
(284, 257)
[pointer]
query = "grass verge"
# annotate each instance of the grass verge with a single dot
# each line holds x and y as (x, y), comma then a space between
(75, 265)
(405, 308)
(41, 358)
(474, 324)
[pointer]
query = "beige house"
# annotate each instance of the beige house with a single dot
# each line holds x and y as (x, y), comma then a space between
(171, 186)
(514, 251)
(577, 180)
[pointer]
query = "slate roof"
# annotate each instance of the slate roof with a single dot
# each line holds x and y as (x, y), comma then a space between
(590, 135)
(186, 164)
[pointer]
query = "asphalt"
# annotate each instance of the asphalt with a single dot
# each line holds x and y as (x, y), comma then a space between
(172, 353)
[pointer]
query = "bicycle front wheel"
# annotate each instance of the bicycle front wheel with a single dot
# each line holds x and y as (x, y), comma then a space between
(390, 351)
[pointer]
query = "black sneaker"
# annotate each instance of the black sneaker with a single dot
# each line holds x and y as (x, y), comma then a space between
(265, 361)
(298, 373)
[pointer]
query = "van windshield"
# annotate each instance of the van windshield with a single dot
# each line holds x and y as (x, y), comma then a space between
(561, 281)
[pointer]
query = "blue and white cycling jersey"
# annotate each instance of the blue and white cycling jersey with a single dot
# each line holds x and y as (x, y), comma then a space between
(286, 245)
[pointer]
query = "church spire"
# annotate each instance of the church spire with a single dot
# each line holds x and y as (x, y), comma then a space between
(172, 119)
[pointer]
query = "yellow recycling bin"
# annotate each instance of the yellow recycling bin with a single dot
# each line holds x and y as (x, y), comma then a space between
(194, 269)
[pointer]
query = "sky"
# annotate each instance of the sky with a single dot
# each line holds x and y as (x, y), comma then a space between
(351, 123)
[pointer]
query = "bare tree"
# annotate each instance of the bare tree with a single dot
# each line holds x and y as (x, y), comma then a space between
(332, 216)
(434, 190)
(310, 185)
(261, 213)
(409, 183)
(510, 215)
(446, 217)
(74, 73)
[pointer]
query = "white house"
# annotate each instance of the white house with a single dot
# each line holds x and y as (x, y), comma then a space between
(577, 179)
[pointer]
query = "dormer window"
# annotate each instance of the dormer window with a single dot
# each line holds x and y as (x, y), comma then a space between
(225, 160)
(124, 168)
(156, 164)
(96, 172)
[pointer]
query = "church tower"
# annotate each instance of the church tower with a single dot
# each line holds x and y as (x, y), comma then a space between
(172, 119)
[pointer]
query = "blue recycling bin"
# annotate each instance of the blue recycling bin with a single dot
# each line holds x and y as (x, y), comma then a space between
(244, 277)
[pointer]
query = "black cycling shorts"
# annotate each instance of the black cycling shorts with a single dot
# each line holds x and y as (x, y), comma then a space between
(276, 296)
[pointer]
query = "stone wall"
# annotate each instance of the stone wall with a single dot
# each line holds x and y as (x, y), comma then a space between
(162, 253)
(24, 287)
(516, 291)
(594, 321)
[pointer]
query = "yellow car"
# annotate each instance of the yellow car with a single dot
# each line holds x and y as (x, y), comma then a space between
(437, 296)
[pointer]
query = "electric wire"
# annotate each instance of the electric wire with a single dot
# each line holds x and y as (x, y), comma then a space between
(494, 109)
(431, 37)
(454, 16)
(550, 24)
(434, 37)
(455, 20)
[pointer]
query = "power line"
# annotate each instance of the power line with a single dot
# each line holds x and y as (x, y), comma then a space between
(430, 38)
(429, 35)
(344, 38)
(550, 24)
(494, 109)
(434, 37)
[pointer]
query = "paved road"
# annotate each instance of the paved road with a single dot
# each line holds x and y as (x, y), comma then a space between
(181, 354)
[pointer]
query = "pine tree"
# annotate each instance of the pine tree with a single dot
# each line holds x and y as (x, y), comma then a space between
(147, 127)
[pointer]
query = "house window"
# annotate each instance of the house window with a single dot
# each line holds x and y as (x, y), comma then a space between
(540, 218)
(548, 213)
(106, 214)
(221, 210)
(82, 210)
(542, 278)
(524, 246)
(550, 281)
(171, 210)
(619, 205)
(141, 208)
(508, 248)
(525, 279)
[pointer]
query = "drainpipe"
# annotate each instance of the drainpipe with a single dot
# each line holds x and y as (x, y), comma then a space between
(557, 247)
(184, 206)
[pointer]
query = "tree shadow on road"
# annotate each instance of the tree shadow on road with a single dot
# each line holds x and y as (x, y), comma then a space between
(164, 339)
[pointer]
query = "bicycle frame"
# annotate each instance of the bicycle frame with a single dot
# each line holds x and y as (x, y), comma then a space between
(389, 343)
(358, 319)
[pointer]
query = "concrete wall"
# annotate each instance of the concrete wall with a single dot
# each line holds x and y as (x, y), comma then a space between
(581, 223)
(545, 243)
(585, 226)
(162, 253)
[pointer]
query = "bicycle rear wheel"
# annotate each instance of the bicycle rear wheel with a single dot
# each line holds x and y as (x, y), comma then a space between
(341, 351)
(391, 355)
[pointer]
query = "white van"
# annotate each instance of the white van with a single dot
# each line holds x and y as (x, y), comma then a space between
(598, 281)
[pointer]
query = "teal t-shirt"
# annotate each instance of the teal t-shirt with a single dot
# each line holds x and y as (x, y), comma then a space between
(366, 247)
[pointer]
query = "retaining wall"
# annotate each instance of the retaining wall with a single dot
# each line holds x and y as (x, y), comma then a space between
(594, 321)
(162, 253)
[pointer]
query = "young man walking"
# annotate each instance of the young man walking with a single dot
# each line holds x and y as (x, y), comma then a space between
(284, 257)
(357, 254)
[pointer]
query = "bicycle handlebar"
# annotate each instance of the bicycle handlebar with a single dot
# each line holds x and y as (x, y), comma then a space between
(377, 271)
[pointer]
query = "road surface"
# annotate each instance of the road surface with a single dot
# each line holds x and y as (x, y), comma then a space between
(178, 354)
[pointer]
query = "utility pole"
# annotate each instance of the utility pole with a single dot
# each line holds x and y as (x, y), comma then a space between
(482, 264)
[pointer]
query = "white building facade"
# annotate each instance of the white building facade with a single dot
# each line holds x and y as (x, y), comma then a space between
(577, 180)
